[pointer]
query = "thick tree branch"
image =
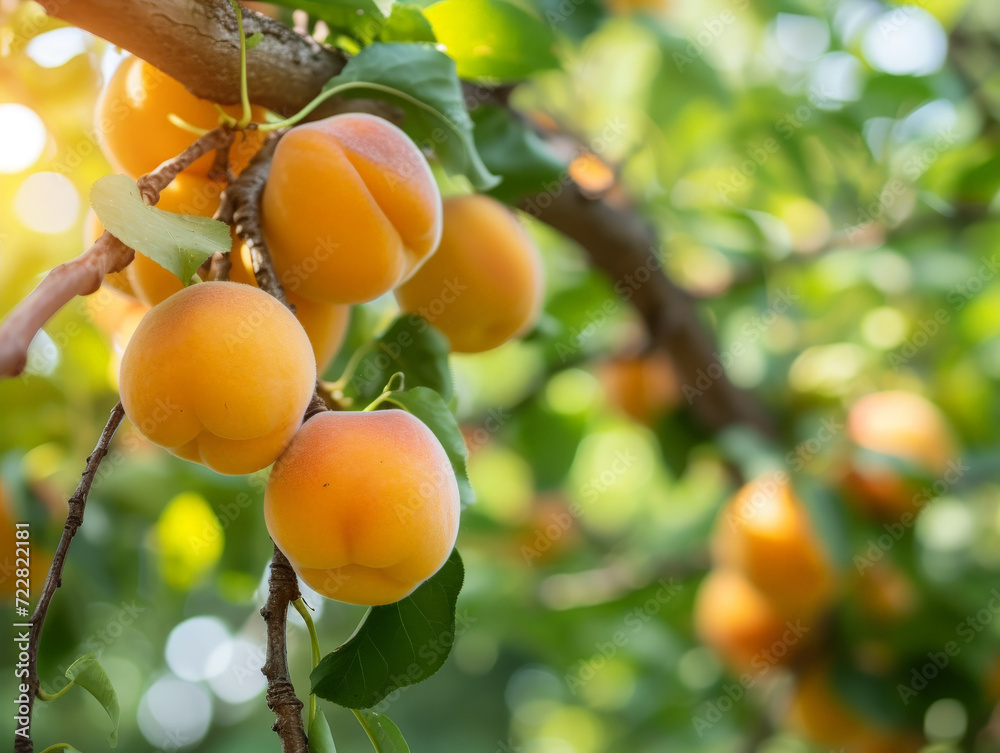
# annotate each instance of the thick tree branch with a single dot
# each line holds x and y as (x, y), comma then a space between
(196, 42)
(283, 589)
(77, 504)
(624, 247)
(84, 274)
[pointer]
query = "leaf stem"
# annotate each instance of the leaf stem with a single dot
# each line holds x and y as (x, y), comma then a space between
(303, 610)
(42, 695)
(244, 94)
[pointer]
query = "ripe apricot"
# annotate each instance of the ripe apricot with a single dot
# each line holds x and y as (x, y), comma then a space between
(817, 712)
(136, 135)
(350, 209)
(643, 388)
(765, 533)
(219, 373)
(911, 431)
(742, 626)
(483, 286)
(365, 505)
(325, 323)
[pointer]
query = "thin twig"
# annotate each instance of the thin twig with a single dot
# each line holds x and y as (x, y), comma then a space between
(77, 504)
(241, 207)
(84, 274)
(283, 589)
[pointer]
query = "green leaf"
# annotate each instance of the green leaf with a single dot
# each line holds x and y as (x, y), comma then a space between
(88, 673)
(422, 82)
(382, 731)
(179, 243)
(360, 19)
(320, 737)
(411, 346)
(430, 407)
(407, 23)
(492, 39)
(395, 645)
(61, 747)
(254, 39)
(515, 153)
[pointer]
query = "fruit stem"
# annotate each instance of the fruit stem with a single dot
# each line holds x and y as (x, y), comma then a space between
(244, 94)
(303, 610)
(185, 126)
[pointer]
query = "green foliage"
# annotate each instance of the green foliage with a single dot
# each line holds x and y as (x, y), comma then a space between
(88, 673)
(422, 82)
(430, 407)
(517, 154)
(410, 346)
(492, 40)
(407, 23)
(320, 736)
(361, 20)
(180, 243)
(396, 645)
(382, 731)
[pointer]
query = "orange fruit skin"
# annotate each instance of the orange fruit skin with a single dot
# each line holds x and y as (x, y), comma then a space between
(905, 426)
(365, 505)
(219, 373)
(325, 323)
(643, 388)
(483, 286)
(350, 209)
(765, 532)
(136, 135)
(819, 715)
(741, 625)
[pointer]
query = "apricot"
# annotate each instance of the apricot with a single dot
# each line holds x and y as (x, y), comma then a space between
(325, 323)
(741, 625)
(483, 286)
(911, 431)
(365, 505)
(350, 209)
(219, 373)
(765, 532)
(886, 593)
(136, 135)
(643, 388)
(817, 713)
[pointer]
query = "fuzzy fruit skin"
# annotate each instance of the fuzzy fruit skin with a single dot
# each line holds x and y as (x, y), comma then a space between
(818, 714)
(325, 323)
(219, 373)
(741, 625)
(484, 284)
(136, 135)
(904, 426)
(350, 209)
(765, 533)
(365, 505)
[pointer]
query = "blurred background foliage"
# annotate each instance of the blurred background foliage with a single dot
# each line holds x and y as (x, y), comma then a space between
(822, 175)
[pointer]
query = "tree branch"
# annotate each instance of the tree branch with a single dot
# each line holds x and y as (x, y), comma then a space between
(77, 505)
(624, 247)
(84, 274)
(283, 589)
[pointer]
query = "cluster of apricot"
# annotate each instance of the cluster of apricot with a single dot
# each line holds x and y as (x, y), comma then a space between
(773, 585)
(364, 504)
